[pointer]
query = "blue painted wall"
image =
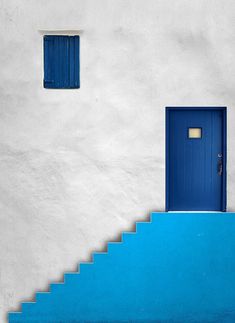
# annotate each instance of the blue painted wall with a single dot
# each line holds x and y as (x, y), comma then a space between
(178, 268)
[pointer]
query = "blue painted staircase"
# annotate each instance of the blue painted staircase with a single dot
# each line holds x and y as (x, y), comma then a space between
(179, 267)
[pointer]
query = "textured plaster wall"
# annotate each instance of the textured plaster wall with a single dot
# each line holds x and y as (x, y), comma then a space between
(79, 166)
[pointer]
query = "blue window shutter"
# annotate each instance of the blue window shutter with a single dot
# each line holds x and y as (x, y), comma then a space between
(61, 62)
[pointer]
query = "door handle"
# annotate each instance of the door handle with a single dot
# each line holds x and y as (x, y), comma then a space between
(220, 167)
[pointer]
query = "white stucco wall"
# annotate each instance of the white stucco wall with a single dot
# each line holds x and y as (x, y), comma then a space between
(77, 167)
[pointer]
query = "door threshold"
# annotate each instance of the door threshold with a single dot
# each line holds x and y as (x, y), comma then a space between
(196, 212)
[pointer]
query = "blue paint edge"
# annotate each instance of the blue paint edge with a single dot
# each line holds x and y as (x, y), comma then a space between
(167, 132)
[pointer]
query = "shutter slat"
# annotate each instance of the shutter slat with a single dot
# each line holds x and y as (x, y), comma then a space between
(76, 61)
(66, 62)
(71, 62)
(57, 62)
(48, 61)
(62, 61)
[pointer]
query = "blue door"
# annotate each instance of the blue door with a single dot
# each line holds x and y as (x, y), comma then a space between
(196, 159)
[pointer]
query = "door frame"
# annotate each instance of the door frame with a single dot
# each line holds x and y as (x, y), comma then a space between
(224, 140)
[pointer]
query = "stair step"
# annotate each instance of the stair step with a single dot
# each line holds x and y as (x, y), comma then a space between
(40, 296)
(56, 286)
(15, 317)
(26, 305)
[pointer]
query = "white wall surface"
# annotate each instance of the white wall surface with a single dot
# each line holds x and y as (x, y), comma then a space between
(77, 167)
